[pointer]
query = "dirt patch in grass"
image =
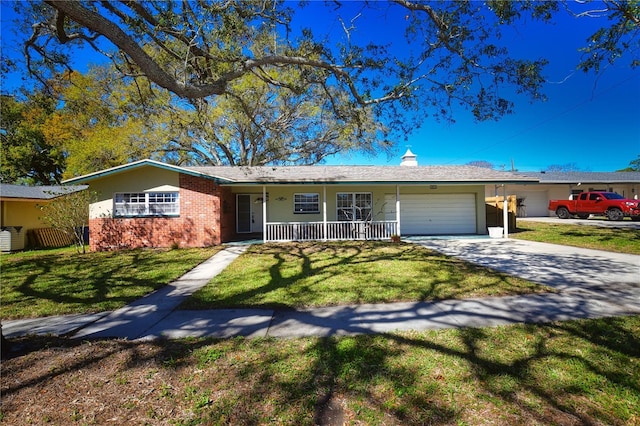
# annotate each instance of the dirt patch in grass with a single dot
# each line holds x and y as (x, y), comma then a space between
(567, 373)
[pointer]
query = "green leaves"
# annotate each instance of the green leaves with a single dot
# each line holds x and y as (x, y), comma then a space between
(609, 43)
(26, 155)
(258, 82)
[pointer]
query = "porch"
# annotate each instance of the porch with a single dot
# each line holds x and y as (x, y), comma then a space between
(281, 213)
(330, 230)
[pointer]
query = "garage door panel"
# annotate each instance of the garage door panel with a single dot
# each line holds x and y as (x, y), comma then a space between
(438, 214)
(535, 203)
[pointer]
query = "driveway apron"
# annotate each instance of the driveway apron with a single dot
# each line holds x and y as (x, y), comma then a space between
(581, 273)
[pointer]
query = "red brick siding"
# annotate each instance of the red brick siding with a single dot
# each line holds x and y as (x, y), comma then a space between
(227, 215)
(199, 211)
(207, 217)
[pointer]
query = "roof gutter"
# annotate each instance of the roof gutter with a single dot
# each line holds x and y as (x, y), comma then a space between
(381, 183)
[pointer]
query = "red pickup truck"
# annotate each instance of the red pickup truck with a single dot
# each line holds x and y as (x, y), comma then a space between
(613, 206)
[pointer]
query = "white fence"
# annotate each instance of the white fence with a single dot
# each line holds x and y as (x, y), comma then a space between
(309, 231)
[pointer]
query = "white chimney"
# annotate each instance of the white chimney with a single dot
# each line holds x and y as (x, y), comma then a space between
(409, 159)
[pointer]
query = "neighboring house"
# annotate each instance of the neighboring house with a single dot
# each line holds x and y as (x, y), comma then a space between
(153, 204)
(20, 212)
(534, 199)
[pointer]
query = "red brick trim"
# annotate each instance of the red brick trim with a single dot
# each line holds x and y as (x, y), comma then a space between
(207, 218)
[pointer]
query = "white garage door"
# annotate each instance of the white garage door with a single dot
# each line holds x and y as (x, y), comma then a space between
(535, 203)
(435, 214)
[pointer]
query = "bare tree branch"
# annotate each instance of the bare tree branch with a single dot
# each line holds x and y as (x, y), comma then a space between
(98, 24)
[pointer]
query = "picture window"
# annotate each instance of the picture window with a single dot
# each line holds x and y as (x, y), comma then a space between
(139, 204)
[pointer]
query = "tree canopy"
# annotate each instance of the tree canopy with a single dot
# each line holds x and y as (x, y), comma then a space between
(26, 155)
(196, 50)
(634, 166)
(244, 82)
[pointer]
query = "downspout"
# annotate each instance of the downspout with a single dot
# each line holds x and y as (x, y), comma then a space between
(505, 212)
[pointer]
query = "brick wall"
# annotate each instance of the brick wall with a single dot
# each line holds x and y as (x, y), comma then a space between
(199, 211)
(207, 218)
(227, 215)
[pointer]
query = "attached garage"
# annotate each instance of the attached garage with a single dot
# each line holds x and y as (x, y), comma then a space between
(534, 203)
(305, 203)
(435, 214)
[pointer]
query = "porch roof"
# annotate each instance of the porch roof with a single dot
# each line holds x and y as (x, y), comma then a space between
(362, 174)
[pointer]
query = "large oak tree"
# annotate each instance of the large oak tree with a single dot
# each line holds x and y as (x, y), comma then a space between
(241, 71)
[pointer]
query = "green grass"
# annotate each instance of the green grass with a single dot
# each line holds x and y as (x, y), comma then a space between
(578, 372)
(296, 275)
(574, 372)
(620, 240)
(564, 373)
(60, 281)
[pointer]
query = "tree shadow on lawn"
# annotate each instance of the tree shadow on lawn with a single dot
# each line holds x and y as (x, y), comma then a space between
(562, 373)
(575, 233)
(601, 234)
(513, 377)
(78, 285)
(300, 275)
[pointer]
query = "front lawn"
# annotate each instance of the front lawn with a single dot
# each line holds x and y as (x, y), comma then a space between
(60, 281)
(566, 373)
(620, 240)
(297, 275)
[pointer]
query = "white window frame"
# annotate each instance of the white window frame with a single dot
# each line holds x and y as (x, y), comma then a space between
(305, 201)
(146, 204)
(355, 210)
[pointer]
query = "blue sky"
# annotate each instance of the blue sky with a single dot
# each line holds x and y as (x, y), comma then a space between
(592, 121)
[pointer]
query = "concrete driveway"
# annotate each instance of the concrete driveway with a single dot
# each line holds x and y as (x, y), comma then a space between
(597, 274)
(593, 221)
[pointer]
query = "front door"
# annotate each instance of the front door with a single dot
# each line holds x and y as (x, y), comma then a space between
(248, 213)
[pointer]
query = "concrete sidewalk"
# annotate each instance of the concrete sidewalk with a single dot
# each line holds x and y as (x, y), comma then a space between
(591, 284)
(133, 320)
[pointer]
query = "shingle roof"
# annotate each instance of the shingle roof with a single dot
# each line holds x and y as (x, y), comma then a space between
(132, 166)
(37, 192)
(361, 174)
(371, 174)
(586, 177)
(328, 174)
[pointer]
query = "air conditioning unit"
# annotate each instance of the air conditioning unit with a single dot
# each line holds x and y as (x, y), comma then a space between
(11, 238)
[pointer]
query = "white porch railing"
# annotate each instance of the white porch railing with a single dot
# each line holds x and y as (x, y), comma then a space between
(309, 231)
